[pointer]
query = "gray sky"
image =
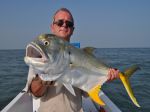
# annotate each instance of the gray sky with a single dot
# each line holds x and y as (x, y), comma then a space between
(98, 23)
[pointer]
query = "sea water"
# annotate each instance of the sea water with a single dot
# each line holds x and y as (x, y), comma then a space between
(13, 74)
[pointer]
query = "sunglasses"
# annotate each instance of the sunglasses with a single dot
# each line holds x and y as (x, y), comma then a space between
(61, 22)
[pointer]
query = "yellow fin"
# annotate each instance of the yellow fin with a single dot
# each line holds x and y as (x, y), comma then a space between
(94, 95)
(124, 77)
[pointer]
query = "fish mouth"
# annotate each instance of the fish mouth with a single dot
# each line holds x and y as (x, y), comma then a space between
(34, 51)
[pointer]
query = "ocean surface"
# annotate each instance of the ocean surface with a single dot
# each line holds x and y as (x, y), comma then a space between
(13, 74)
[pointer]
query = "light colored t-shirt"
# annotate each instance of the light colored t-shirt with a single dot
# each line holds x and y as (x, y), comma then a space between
(63, 101)
(60, 101)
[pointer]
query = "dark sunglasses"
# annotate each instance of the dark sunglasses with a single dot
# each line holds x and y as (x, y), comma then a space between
(61, 22)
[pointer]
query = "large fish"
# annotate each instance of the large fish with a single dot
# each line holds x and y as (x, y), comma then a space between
(55, 59)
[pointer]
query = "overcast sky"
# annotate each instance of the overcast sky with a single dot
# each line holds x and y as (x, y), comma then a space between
(98, 23)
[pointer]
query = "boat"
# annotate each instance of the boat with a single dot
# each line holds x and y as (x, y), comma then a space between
(24, 102)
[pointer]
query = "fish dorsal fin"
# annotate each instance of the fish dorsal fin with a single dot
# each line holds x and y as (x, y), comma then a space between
(70, 88)
(89, 50)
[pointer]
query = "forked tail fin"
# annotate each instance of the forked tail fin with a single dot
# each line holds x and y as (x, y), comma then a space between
(124, 77)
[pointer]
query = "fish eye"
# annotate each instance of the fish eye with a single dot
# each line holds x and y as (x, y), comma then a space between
(46, 43)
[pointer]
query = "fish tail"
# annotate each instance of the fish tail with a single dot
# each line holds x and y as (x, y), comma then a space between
(124, 77)
(94, 95)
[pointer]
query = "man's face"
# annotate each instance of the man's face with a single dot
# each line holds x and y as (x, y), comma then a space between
(62, 25)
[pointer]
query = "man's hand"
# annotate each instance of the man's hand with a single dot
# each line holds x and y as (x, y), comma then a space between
(113, 74)
(38, 88)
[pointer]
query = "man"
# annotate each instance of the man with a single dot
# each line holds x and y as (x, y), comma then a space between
(62, 101)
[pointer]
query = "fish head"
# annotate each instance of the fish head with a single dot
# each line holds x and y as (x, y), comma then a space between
(42, 52)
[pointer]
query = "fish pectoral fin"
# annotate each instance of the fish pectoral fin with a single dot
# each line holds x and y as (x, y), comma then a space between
(94, 95)
(124, 77)
(70, 88)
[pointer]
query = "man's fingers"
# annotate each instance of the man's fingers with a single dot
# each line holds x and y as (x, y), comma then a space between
(113, 74)
(110, 75)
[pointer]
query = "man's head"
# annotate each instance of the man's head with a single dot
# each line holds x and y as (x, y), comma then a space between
(63, 24)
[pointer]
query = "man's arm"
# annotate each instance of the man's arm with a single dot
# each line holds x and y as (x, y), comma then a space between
(38, 87)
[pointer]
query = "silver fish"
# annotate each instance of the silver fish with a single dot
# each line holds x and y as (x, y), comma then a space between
(55, 59)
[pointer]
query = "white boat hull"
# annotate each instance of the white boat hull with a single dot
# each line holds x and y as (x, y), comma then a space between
(21, 103)
(24, 102)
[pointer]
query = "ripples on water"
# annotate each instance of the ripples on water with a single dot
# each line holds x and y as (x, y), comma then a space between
(121, 58)
(13, 72)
